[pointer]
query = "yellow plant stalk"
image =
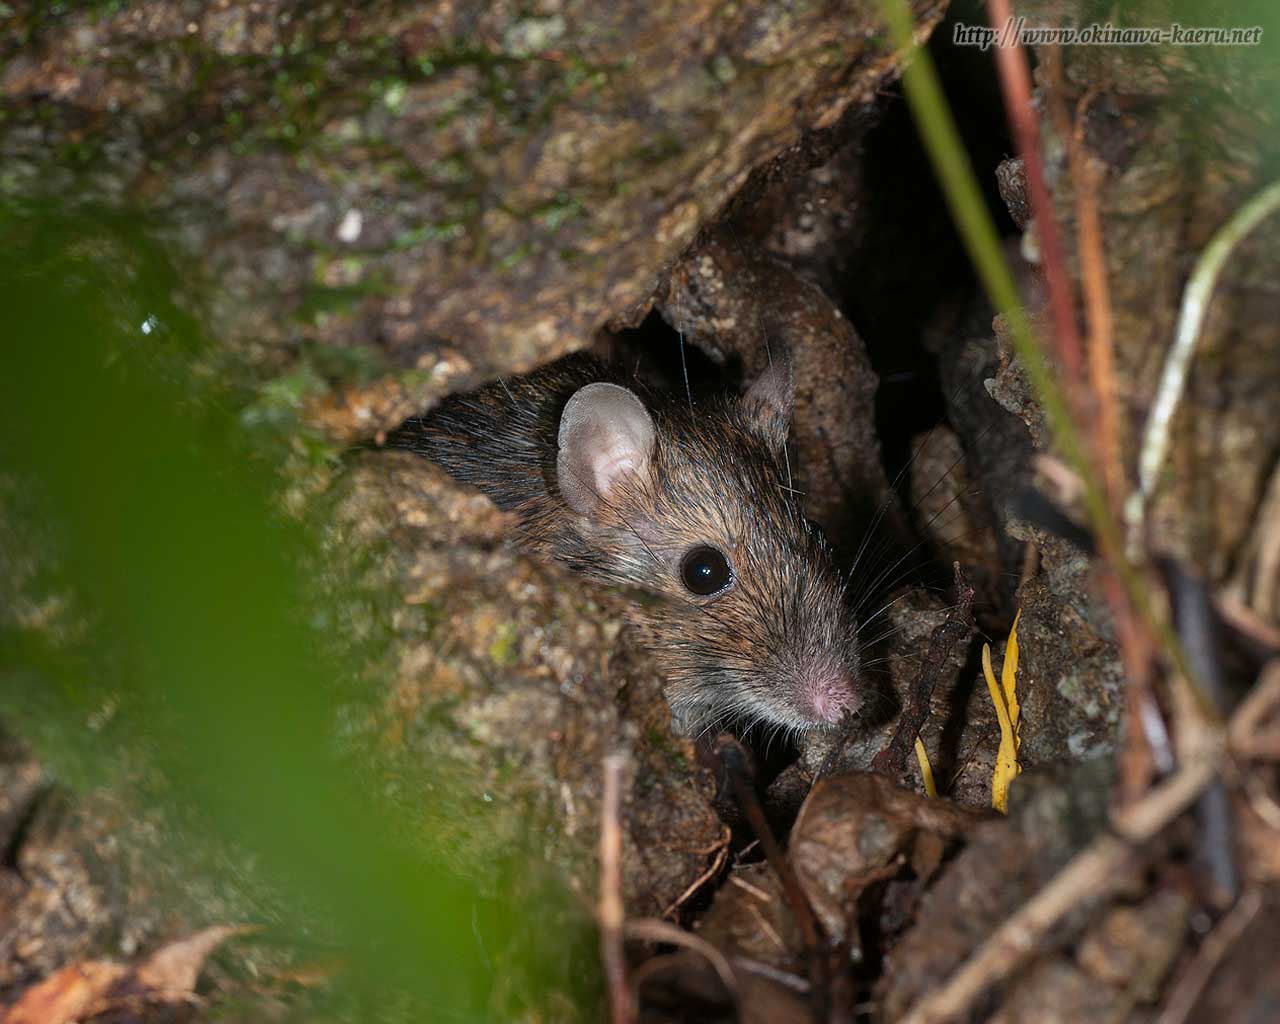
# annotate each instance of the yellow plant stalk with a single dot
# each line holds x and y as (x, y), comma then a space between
(1004, 696)
(1008, 676)
(926, 769)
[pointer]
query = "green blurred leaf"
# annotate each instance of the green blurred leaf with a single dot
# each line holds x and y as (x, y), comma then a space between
(170, 536)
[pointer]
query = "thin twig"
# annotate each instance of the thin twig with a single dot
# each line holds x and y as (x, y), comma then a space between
(1093, 873)
(1159, 744)
(1261, 802)
(1097, 301)
(1100, 361)
(650, 929)
(656, 965)
(767, 928)
(1015, 84)
(722, 854)
(1192, 983)
(737, 765)
(775, 974)
(1138, 758)
(957, 627)
(1243, 619)
(755, 891)
(611, 908)
(1173, 378)
(1142, 819)
(1146, 746)
(1246, 736)
(1196, 625)
(1090, 875)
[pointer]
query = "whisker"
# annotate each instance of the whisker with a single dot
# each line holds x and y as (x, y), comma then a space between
(944, 574)
(878, 579)
(898, 480)
(684, 366)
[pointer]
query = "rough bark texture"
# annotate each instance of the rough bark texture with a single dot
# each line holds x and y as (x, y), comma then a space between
(469, 189)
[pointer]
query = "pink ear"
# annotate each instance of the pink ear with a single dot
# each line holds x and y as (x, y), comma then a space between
(605, 433)
(767, 403)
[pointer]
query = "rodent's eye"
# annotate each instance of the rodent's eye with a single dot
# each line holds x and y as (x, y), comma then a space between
(705, 571)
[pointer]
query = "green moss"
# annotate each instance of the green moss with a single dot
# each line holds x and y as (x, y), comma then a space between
(502, 652)
(645, 781)
(426, 233)
(321, 300)
(280, 398)
(514, 258)
(343, 365)
(452, 169)
(324, 300)
(659, 741)
(559, 211)
(316, 450)
(318, 369)
(432, 614)
(657, 150)
(77, 152)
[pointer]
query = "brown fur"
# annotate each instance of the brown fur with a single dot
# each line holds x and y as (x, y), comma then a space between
(760, 650)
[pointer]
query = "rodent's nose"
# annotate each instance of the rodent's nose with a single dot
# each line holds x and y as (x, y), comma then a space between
(828, 696)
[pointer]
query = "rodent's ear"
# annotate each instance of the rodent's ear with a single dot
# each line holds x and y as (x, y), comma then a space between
(767, 403)
(605, 433)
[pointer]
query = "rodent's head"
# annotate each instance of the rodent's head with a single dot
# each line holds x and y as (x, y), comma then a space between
(696, 507)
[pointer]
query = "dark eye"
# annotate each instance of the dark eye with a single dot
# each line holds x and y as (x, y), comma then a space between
(705, 571)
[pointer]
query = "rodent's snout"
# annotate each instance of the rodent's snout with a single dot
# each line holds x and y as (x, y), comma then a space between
(828, 695)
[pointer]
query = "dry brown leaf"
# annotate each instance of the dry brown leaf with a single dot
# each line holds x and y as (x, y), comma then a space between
(171, 972)
(84, 990)
(67, 994)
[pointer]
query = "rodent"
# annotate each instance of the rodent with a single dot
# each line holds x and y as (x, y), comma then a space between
(690, 503)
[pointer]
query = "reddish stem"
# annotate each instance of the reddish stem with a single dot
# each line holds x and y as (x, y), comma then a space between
(1015, 86)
